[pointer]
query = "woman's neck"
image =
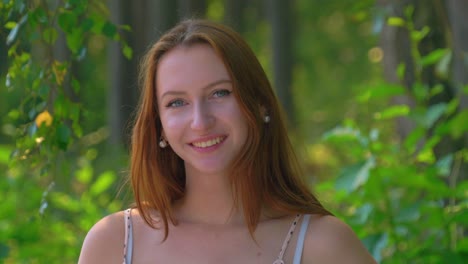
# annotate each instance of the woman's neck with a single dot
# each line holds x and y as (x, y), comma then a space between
(208, 199)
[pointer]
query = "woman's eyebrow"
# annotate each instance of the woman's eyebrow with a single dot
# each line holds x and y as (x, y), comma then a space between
(210, 85)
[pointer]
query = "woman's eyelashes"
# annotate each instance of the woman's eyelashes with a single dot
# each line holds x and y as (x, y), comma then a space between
(216, 94)
(221, 93)
(175, 103)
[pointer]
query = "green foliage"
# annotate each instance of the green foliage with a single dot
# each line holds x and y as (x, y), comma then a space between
(51, 192)
(401, 196)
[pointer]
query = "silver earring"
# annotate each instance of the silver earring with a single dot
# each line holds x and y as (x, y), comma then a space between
(163, 143)
(266, 119)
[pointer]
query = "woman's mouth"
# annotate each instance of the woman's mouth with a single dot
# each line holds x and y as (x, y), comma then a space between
(208, 143)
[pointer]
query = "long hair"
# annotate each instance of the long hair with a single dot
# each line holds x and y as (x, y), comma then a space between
(265, 174)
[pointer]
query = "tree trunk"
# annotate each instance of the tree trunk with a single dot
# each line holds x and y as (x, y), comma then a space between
(234, 14)
(281, 22)
(447, 30)
(192, 8)
(148, 20)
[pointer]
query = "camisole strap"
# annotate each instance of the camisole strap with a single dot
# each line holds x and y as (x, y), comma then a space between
(300, 239)
(279, 260)
(128, 242)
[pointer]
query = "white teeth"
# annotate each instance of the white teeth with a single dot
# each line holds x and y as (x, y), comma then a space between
(208, 143)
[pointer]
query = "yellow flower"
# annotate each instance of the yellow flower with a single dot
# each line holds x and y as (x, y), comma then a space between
(44, 117)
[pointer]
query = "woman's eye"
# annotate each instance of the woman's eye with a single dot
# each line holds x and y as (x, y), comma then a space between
(175, 103)
(221, 93)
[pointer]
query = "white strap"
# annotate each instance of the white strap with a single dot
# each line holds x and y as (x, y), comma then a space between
(300, 239)
(128, 242)
(279, 260)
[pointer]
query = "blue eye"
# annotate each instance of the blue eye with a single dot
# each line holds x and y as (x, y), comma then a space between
(221, 93)
(175, 103)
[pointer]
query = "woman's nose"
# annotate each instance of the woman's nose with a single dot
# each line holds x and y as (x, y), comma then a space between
(202, 117)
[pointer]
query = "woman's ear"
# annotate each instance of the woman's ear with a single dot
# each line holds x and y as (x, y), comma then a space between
(263, 112)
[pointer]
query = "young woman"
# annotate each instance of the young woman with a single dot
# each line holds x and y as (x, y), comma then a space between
(213, 172)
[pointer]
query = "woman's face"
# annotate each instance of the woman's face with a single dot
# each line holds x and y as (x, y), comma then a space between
(200, 116)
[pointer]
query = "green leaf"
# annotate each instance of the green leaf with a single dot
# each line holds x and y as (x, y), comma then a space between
(444, 165)
(354, 176)
(458, 125)
(14, 32)
(109, 30)
(420, 91)
(434, 112)
(10, 25)
(65, 202)
(434, 56)
(75, 40)
(103, 182)
(443, 65)
(5, 152)
(385, 90)
(452, 106)
(375, 245)
(39, 15)
(413, 139)
(75, 85)
(4, 251)
(126, 27)
(401, 71)
(87, 24)
(67, 21)
(127, 51)
(85, 174)
(408, 214)
(392, 112)
(426, 156)
(396, 21)
(50, 35)
(63, 136)
(417, 36)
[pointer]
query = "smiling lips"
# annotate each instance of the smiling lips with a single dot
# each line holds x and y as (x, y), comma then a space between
(208, 143)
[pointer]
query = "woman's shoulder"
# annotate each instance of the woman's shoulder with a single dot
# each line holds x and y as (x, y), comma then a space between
(104, 241)
(330, 240)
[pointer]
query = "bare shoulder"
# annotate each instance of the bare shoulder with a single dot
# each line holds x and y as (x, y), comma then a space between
(329, 240)
(104, 241)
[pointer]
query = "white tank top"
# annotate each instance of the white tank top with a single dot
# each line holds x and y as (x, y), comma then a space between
(128, 242)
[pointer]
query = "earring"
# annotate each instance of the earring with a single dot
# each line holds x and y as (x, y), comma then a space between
(163, 143)
(266, 119)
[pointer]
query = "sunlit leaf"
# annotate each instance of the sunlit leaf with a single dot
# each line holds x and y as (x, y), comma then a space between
(381, 91)
(85, 174)
(103, 182)
(433, 57)
(44, 118)
(426, 156)
(396, 21)
(392, 112)
(127, 51)
(65, 202)
(10, 25)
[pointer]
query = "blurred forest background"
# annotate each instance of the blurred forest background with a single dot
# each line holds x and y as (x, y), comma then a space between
(375, 90)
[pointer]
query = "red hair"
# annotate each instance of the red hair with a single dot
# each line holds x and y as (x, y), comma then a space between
(266, 173)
